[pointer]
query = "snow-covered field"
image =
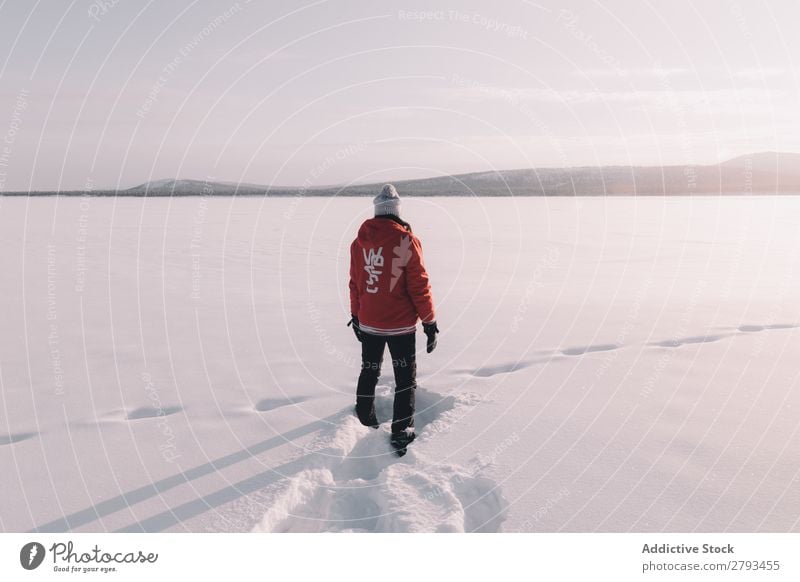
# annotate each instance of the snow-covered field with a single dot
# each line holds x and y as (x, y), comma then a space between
(605, 365)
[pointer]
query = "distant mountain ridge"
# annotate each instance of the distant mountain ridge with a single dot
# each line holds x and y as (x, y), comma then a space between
(760, 173)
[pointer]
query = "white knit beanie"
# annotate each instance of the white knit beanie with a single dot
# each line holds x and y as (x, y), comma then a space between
(387, 202)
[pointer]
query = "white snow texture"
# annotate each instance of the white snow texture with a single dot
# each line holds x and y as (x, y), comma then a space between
(605, 364)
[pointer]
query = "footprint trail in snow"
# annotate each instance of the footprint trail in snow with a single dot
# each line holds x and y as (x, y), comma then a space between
(355, 482)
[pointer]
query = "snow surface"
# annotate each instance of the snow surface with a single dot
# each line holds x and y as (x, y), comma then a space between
(604, 365)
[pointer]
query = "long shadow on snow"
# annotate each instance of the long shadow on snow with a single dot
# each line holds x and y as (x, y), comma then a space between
(430, 407)
(145, 492)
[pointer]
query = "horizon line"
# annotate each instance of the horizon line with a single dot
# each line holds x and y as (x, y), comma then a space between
(343, 185)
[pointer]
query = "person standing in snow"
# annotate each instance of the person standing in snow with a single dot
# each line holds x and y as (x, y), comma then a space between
(389, 293)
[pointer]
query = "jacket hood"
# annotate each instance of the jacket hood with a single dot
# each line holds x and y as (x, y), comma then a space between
(379, 231)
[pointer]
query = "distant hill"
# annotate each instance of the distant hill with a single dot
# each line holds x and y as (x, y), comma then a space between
(170, 187)
(752, 174)
(760, 173)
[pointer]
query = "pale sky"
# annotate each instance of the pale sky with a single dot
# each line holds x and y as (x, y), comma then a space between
(118, 92)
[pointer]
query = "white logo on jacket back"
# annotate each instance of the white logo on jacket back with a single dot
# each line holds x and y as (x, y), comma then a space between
(402, 254)
(372, 262)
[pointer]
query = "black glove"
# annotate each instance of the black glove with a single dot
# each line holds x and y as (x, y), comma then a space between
(430, 330)
(356, 330)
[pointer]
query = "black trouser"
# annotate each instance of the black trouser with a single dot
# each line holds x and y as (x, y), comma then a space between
(404, 362)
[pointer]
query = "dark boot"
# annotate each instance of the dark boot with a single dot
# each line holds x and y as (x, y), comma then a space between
(366, 416)
(401, 440)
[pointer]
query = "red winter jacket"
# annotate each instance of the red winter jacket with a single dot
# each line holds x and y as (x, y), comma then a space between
(389, 288)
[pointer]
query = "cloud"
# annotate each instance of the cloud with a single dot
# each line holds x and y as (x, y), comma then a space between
(761, 73)
(649, 97)
(656, 71)
(645, 74)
